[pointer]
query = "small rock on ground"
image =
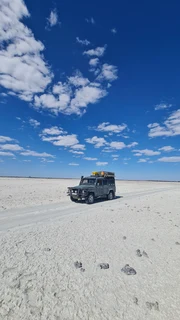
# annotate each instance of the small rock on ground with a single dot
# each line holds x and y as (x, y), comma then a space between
(104, 265)
(78, 264)
(128, 270)
(135, 300)
(153, 305)
(138, 252)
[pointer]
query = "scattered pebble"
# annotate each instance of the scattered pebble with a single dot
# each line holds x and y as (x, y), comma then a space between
(135, 300)
(138, 252)
(153, 305)
(78, 264)
(124, 238)
(47, 249)
(178, 243)
(82, 269)
(128, 270)
(104, 265)
(152, 239)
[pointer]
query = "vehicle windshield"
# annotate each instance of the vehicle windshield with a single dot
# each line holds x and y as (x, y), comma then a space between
(88, 181)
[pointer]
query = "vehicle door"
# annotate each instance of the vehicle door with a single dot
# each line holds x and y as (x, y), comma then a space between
(99, 188)
(105, 187)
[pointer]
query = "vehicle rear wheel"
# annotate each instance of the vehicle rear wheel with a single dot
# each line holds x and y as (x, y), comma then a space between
(111, 195)
(90, 199)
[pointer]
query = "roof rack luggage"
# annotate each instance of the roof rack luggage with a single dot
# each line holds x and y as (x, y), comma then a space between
(103, 174)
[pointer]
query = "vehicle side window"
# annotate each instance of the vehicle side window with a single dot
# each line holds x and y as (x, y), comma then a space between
(105, 182)
(111, 182)
(99, 182)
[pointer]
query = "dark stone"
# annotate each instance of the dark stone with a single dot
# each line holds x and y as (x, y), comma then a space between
(135, 300)
(128, 270)
(138, 252)
(104, 265)
(78, 265)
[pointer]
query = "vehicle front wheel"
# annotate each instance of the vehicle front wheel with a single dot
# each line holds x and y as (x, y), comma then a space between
(111, 195)
(73, 200)
(90, 199)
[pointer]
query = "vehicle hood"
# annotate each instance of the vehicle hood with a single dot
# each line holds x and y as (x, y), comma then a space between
(82, 187)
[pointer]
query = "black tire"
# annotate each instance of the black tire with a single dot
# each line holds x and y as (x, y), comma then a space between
(90, 198)
(111, 195)
(73, 200)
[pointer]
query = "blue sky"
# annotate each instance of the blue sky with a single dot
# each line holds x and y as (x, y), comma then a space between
(87, 85)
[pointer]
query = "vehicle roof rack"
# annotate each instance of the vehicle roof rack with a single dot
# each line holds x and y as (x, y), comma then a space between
(103, 174)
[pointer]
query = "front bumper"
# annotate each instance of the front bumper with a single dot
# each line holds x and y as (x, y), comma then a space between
(79, 195)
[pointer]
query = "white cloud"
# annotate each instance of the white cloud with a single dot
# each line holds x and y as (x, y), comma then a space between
(138, 154)
(108, 73)
(115, 156)
(162, 106)
(34, 123)
(73, 164)
(117, 145)
(4, 139)
(36, 154)
(84, 42)
(46, 160)
(79, 93)
(98, 142)
(26, 160)
(98, 52)
(166, 149)
(63, 88)
(107, 150)
(52, 103)
(101, 163)
(142, 160)
(169, 159)
(107, 127)
(8, 154)
(1, 161)
(91, 20)
(22, 67)
(170, 127)
(78, 147)
(114, 30)
(86, 95)
(133, 144)
(53, 131)
(76, 152)
(66, 141)
(146, 152)
(11, 147)
(94, 62)
(78, 80)
(53, 18)
(90, 159)
(18, 118)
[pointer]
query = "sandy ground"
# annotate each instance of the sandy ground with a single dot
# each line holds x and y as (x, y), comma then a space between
(43, 234)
